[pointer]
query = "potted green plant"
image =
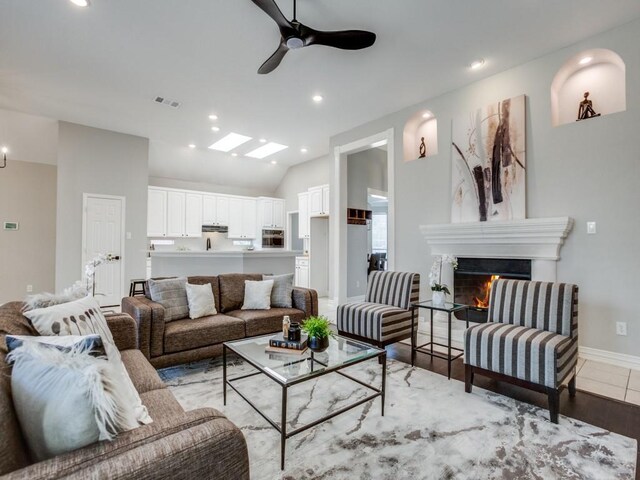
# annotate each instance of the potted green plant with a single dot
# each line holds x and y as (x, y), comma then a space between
(319, 330)
(439, 290)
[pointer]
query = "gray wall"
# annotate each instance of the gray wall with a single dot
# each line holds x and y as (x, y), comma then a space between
(91, 160)
(587, 170)
(207, 187)
(27, 256)
(366, 169)
(301, 177)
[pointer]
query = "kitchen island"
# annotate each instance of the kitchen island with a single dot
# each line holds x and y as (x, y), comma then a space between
(165, 263)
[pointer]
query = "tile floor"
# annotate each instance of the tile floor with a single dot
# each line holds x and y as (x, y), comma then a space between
(600, 378)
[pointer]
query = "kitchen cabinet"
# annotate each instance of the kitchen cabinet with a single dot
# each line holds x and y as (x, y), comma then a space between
(156, 213)
(215, 210)
(193, 215)
(242, 218)
(175, 213)
(301, 277)
(319, 201)
(271, 213)
(303, 215)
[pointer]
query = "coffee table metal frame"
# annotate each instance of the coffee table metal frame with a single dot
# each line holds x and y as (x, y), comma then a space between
(452, 308)
(282, 428)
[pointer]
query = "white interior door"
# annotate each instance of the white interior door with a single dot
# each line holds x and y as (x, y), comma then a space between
(103, 222)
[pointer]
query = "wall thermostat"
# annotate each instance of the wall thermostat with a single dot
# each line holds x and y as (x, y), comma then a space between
(11, 225)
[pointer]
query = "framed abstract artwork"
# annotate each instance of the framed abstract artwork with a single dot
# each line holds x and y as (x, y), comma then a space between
(489, 163)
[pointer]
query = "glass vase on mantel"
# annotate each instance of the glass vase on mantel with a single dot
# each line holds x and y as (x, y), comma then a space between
(438, 298)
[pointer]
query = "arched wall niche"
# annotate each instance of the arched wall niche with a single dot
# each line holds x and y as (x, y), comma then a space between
(421, 124)
(599, 71)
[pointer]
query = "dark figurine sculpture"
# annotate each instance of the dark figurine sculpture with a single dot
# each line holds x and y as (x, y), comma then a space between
(586, 109)
(423, 149)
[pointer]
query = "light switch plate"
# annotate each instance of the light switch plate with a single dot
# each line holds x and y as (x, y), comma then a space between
(128, 235)
(591, 228)
(11, 225)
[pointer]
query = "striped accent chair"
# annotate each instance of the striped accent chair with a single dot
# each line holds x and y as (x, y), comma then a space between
(531, 338)
(385, 315)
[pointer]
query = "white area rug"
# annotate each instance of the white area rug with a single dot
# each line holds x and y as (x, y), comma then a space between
(431, 429)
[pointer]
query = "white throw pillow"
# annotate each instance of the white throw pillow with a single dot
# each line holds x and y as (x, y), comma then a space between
(92, 344)
(201, 301)
(83, 317)
(65, 400)
(257, 295)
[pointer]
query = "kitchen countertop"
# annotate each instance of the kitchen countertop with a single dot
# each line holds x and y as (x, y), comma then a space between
(225, 253)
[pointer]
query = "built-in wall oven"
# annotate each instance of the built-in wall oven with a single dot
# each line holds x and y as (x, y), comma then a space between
(272, 238)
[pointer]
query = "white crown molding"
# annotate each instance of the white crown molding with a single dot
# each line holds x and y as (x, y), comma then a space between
(534, 238)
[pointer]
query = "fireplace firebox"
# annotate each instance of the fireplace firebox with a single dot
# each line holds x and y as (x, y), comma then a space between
(473, 278)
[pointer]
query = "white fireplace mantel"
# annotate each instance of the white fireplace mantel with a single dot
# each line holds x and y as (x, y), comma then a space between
(534, 238)
(538, 239)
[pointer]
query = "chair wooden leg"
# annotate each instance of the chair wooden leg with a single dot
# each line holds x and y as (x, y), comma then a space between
(468, 378)
(554, 404)
(572, 387)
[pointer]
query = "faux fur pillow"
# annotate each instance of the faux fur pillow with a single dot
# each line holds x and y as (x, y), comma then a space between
(66, 400)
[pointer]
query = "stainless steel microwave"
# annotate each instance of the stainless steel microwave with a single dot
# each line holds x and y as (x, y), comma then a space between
(272, 238)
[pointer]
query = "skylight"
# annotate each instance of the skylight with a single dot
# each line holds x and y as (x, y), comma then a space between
(266, 150)
(228, 143)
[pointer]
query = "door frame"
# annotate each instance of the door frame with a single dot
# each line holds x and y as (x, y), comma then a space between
(338, 245)
(123, 211)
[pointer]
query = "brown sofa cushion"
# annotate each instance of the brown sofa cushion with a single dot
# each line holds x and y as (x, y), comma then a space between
(232, 289)
(181, 335)
(142, 374)
(261, 322)
(13, 451)
(161, 404)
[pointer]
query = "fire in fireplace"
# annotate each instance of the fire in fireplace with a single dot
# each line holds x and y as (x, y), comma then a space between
(474, 277)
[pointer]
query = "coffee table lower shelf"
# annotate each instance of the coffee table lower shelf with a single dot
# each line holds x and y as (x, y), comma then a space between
(282, 426)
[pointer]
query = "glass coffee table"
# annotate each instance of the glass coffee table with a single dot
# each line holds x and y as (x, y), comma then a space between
(288, 370)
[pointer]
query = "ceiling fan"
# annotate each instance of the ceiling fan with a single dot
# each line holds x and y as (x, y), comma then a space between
(296, 35)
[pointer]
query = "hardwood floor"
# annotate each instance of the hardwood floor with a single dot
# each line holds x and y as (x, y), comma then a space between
(612, 415)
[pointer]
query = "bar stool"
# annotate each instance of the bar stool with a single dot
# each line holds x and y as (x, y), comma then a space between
(137, 287)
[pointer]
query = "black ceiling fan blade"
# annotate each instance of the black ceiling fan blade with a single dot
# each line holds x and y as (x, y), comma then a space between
(274, 60)
(344, 39)
(270, 8)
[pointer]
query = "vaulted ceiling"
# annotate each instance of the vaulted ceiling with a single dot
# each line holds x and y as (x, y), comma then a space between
(103, 65)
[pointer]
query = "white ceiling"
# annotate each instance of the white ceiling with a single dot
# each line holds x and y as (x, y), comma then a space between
(103, 65)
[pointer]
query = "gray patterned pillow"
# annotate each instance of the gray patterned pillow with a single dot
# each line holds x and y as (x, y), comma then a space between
(282, 291)
(172, 295)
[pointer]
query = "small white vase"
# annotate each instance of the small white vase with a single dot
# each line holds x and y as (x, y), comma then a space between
(438, 298)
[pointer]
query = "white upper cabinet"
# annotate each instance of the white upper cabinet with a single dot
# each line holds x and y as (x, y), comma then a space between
(193, 215)
(303, 215)
(242, 218)
(271, 213)
(215, 210)
(319, 201)
(156, 213)
(175, 214)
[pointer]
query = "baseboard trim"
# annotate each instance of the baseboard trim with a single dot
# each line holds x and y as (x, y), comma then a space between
(612, 358)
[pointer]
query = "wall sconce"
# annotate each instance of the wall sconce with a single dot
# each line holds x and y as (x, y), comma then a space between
(4, 151)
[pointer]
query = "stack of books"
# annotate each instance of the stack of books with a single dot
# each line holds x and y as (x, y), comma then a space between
(279, 344)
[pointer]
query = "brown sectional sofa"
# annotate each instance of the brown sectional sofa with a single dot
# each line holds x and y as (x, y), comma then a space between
(200, 444)
(180, 341)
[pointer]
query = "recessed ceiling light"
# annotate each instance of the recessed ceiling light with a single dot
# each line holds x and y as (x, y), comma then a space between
(426, 115)
(266, 150)
(229, 142)
(476, 64)
(273, 162)
(303, 150)
(192, 145)
(585, 60)
(234, 154)
(215, 129)
(80, 3)
(317, 98)
(263, 140)
(213, 117)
